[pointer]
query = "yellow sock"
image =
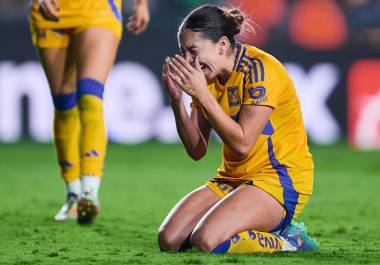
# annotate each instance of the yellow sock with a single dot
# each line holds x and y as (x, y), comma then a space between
(66, 135)
(252, 242)
(93, 134)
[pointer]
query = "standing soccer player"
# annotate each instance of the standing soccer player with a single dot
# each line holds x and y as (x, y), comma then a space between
(266, 175)
(77, 43)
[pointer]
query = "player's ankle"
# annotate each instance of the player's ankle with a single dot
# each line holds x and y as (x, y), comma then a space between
(90, 186)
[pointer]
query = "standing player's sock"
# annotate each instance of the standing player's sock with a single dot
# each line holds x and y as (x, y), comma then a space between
(93, 135)
(252, 242)
(90, 185)
(92, 147)
(74, 187)
(66, 139)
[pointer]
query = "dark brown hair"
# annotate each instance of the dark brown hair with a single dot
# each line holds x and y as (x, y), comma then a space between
(214, 22)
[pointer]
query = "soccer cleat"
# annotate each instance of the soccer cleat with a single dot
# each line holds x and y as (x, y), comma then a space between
(296, 235)
(69, 209)
(88, 209)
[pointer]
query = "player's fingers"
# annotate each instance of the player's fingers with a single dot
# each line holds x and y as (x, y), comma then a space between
(165, 65)
(181, 67)
(171, 82)
(176, 79)
(131, 24)
(131, 28)
(165, 80)
(197, 64)
(49, 11)
(56, 4)
(177, 71)
(139, 30)
(165, 71)
(141, 26)
(52, 10)
(185, 64)
(43, 11)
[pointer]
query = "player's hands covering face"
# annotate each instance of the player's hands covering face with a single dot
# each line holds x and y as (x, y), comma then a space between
(190, 79)
(172, 88)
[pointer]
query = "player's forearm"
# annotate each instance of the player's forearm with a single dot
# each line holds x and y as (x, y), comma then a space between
(230, 131)
(141, 4)
(188, 132)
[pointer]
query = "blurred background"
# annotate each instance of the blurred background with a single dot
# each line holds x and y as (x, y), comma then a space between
(331, 49)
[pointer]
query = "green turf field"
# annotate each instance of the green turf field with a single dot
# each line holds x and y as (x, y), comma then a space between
(143, 182)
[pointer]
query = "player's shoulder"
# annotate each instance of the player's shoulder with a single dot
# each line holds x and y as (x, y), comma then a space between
(258, 59)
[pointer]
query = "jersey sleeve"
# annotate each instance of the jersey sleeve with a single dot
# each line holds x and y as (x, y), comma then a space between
(264, 83)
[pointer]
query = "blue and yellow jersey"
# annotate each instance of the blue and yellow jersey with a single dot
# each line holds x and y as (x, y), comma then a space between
(76, 16)
(280, 157)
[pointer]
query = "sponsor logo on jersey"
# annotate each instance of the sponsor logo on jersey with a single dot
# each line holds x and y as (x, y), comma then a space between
(258, 95)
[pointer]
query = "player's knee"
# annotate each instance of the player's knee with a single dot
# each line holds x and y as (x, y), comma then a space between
(167, 241)
(90, 94)
(64, 102)
(202, 239)
(89, 104)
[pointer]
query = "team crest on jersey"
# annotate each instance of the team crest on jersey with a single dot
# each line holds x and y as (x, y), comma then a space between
(258, 95)
(233, 96)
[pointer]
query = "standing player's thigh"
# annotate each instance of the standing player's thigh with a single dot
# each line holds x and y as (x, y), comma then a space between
(184, 216)
(95, 50)
(246, 208)
(59, 67)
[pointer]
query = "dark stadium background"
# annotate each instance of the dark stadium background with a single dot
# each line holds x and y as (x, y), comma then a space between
(332, 51)
(345, 32)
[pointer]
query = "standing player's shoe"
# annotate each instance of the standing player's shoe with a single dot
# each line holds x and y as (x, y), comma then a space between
(88, 208)
(296, 235)
(69, 209)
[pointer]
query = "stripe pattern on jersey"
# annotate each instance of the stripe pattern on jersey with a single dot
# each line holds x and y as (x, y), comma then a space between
(252, 68)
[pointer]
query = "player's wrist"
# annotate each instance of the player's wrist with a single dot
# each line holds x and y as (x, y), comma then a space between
(204, 98)
(176, 101)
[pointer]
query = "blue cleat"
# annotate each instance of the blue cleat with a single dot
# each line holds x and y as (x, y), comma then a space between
(296, 235)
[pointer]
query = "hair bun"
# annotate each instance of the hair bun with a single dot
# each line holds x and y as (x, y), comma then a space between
(237, 18)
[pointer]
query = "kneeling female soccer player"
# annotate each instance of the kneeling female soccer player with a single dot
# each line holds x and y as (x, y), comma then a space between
(266, 175)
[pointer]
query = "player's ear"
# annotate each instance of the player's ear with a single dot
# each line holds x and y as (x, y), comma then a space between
(223, 45)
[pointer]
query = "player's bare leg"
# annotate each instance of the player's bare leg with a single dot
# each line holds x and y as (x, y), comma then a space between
(95, 51)
(59, 68)
(246, 208)
(181, 220)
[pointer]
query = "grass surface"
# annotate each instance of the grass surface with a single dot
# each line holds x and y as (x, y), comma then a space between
(143, 182)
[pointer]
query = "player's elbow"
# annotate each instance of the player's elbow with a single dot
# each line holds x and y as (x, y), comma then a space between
(242, 150)
(196, 155)
(197, 152)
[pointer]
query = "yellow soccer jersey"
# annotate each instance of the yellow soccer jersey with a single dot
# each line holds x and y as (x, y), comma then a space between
(280, 156)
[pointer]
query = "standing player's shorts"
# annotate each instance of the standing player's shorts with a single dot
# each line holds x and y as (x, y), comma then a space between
(75, 16)
(292, 201)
